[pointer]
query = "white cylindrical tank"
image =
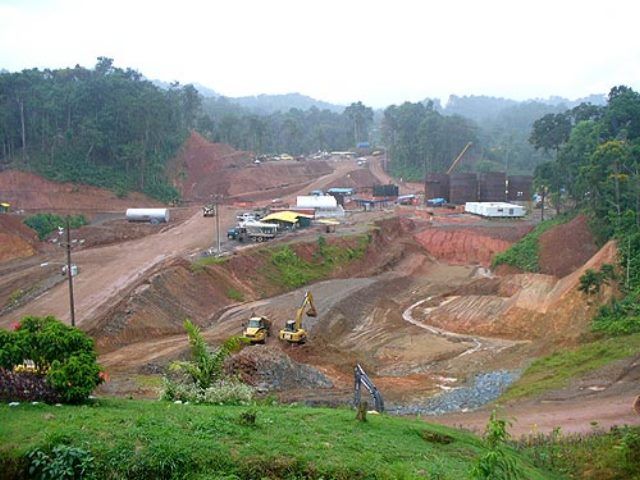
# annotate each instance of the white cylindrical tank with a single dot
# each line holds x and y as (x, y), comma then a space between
(151, 215)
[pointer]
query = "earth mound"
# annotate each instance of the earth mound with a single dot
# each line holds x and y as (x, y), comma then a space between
(469, 245)
(566, 247)
(203, 168)
(16, 239)
(523, 306)
(30, 192)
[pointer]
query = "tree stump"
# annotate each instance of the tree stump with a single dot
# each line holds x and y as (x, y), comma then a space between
(361, 416)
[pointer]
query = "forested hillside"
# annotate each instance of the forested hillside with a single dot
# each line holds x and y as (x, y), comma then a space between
(294, 131)
(596, 167)
(426, 138)
(103, 126)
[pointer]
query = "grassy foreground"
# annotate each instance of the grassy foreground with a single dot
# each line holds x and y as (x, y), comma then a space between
(557, 370)
(147, 439)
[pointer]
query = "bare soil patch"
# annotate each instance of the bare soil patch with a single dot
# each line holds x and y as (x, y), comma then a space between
(566, 247)
(30, 192)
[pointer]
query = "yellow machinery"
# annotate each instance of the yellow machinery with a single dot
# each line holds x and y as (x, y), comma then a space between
(293, 331)
(455, 162)
(257, 330)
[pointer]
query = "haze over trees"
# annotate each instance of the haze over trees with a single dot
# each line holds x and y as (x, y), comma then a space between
(110, 127)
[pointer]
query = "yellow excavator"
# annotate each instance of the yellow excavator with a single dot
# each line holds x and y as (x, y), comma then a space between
(293, 331)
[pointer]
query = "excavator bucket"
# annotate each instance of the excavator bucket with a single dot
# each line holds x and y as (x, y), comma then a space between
(312, 312)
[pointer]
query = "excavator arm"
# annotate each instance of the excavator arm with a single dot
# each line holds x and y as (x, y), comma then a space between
(361, 378)
(311, 312)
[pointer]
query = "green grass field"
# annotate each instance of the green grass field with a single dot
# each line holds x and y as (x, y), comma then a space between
(153, 439)
(558, 369)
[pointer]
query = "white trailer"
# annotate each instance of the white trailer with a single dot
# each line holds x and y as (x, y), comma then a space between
(151, 215)
(495, 209)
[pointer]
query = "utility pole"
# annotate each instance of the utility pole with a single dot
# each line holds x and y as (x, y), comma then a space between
(70, 275)
(218, 224)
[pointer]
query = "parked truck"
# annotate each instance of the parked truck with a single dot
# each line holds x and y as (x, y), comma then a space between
(257, 329)
(259, 231)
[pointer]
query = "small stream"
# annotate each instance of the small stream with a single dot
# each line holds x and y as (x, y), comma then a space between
(484, 388)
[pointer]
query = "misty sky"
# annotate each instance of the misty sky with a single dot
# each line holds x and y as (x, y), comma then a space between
(380, 52)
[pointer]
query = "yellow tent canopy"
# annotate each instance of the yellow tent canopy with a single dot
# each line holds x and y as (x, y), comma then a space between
(5, 204)
(286, 216)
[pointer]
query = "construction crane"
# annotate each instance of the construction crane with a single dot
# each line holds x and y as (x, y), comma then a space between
(458, 158)
(361, 378)
(293, 331)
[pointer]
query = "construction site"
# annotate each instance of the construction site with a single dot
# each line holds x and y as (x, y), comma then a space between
(405, 292)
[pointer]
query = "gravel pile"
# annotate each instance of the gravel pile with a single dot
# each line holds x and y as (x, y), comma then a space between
(485, 388)
(269, 369)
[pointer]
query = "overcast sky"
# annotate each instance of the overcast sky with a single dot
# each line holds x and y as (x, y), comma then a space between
(380, 52)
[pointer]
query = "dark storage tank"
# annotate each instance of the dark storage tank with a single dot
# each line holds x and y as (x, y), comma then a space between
(492, 187)
(520, 187)
(463, 187)
(390, 190)
(436, 185)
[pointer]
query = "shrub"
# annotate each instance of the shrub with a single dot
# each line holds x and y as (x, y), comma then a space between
(61, 462)
(236, 295)
(203, 379)
(620, 317)
(45, 223)
(43, 359)
(496, 464)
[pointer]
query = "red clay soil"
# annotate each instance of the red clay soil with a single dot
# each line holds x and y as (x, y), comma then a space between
(16, 239)
(27, 191)
(469, 245)
(525, 306)
(566, 247)
(157, 306)
(203, 168)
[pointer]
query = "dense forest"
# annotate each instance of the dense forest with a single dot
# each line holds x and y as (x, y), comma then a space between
(110, 127)
(293, 131)
(105, 126)
(425, 137)
(596, 168)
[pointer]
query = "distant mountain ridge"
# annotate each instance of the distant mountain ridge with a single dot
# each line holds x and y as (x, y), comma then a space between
(267, 104)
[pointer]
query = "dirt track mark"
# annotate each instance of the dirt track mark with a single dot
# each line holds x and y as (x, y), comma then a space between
(479, 343)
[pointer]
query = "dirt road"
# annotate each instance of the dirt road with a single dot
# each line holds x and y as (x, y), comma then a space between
(582, 416)
(107, 272)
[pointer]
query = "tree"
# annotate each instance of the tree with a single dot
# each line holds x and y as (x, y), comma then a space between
(550, 131)
(361, 117)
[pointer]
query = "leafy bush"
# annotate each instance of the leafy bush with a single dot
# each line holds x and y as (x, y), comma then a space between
(203, 378)
(228, 392)
(620, 317)
(497, 463)
(45, 223)
(56, 356)
(61, 462)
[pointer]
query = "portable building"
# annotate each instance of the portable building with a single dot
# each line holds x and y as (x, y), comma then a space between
(495, 209)
(312, 201)
(151, 215)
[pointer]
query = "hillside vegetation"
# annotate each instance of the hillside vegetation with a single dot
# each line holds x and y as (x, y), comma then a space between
(106, 127)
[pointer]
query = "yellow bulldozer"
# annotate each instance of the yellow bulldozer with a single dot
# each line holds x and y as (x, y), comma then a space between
(293, 331)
